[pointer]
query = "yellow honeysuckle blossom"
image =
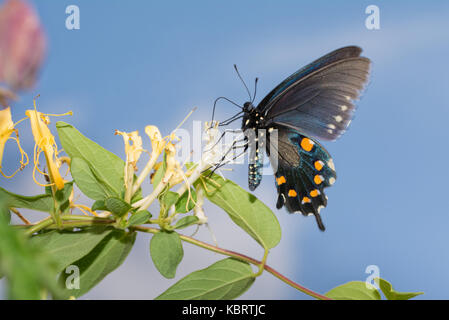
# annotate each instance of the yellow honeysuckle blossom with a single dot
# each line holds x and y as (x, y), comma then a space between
(45, 142)
(133, 150)
(157, 143)
(6, 129)
(133, 146)
(170, 153)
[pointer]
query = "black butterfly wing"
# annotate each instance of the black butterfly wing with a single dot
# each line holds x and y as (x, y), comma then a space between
(318, 100)
(304, 169)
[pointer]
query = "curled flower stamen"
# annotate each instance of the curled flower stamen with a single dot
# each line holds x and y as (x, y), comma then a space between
(6, 129)
(45, 142)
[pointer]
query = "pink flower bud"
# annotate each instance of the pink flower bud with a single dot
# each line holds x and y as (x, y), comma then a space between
(22, 44)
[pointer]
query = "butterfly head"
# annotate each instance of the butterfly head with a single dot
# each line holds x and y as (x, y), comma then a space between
(248, 107)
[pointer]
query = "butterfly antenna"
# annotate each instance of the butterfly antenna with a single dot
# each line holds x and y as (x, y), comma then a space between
(241, 79)
(224, 98)
(255, 90)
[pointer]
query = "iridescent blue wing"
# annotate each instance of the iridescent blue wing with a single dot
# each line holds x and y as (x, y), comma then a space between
(336, 55)
(304, 169)
(318, 100)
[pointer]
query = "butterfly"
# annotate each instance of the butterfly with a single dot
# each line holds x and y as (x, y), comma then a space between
(316, 102)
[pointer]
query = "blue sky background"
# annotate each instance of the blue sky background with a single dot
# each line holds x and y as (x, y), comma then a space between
(141, 62)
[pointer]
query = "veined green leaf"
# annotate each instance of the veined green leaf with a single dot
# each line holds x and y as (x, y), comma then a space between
(43, 202)
(224, 280)
(186, 222)
(186, 202)
(167, 198)
(99, 205)
(63, 197)
(392, 294)
(166, 252)
(66, 247)
(354, 290)
(138, 218)
(86, 180)
(248, 212)
(108, 255)
(107, 168)
(117, 206)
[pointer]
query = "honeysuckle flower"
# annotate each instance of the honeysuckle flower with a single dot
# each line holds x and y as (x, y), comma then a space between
(157, 143)
(157, 146)
(133, 150)
(45, 142)
(22, 45)
(170, 153)
(6, 129)
(133, 146)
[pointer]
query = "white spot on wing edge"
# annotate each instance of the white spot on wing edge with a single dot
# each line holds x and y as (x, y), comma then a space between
(331, 165)
(331, 181)
(344, 107)
(338, 118)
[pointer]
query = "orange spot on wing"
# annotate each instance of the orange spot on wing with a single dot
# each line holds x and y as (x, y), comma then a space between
(319, 165)
(306, 200)
(314, 193)
(280, 180)
(292, 193)
(318, 179)
(307, 144)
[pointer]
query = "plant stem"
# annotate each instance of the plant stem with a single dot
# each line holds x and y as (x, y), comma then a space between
(241, 257)
(78, 224)
(75, 217)
(39, 226)
(74, 221)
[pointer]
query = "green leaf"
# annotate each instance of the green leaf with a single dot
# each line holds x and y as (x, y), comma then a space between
(186, 222)
(138, 218)
(248, 212)
(107, 168)
(224, 280)
(391, 294)
(167, 199)
(108, 255)
(186, 202)
(354, 290)
(117, 206)
(28, 269)
(66, 247)
(4, 211)
(99, 205)
(160, 172)
(63, 197)
(43, 202)
(166, 252)
(86, 180)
